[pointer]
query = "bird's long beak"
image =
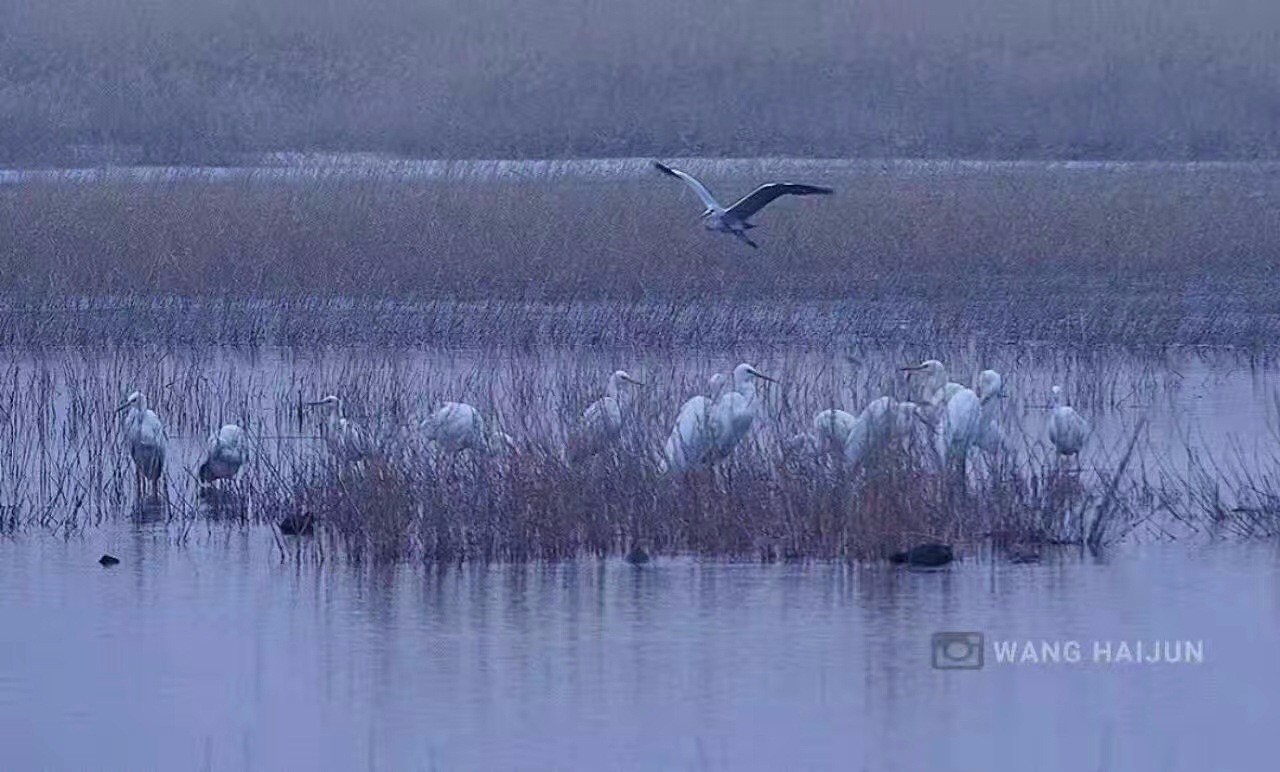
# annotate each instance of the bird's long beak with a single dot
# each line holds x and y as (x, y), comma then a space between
(122, 407)
(763, 377)
(912, 367)
(632, 380)
(314, 404)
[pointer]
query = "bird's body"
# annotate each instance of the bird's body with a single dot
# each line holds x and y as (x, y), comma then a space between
(690, 443)
(225, 452)
(1067, 429)
(457, 426)
(954, 411)
(735, 219)
(601, 424)
(831, 429)
(961, 424)
(345, 439)
(990, 391)
(145, 437)
(733, 413)
(687, 445)
(882, 421)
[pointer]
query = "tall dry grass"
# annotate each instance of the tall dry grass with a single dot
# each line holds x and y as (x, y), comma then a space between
(1151, 256)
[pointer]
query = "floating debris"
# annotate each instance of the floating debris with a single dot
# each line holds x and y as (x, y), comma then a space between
(926, 555)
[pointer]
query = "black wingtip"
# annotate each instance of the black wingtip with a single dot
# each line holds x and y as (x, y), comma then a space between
(660, 166)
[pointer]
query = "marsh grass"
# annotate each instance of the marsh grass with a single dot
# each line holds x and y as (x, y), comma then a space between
(1134, 256)
(65, 469)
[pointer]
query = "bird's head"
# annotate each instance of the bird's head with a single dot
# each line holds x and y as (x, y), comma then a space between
(135, 399)
(931, 372)
(622, 376)
(744, 373)
(990, 385)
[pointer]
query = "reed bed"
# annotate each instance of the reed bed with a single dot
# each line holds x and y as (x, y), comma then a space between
(1138, 258)
(63, 467)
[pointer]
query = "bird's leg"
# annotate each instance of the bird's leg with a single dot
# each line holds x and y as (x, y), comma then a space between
(742, 235)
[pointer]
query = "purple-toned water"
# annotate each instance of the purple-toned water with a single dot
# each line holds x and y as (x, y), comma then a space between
(215, 655)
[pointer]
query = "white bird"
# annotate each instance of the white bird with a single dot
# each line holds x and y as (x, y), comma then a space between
(935, 389)
(954, 410)
(457, 426)
(691, 437)
(961, 425)
(344, 437)
(734, 219)
(144, 434)
(601, 423)
(225, 452)
(883, 420)
(831, 430)
(990, 390)
(733, 413)
(1067, 429)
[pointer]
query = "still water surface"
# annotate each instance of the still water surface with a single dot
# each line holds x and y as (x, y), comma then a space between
(216, 655)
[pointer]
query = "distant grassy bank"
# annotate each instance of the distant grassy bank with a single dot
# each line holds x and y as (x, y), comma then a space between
(193, 81)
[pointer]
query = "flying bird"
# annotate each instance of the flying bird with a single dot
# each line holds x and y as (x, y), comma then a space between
(734, 220)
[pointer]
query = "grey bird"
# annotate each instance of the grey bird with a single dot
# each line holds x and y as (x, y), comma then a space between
(734, 220)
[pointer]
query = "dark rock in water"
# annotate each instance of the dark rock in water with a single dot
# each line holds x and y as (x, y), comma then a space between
(927, 555)
(108, 560)
(298, 525)
(637, 556)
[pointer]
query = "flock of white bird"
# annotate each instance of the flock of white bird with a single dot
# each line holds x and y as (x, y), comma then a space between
(946, 416)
